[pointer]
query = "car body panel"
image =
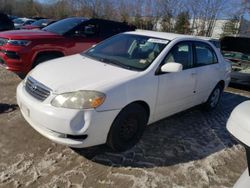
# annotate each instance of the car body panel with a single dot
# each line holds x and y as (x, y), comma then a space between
(238, 125)
(243, 181)
(239, 122)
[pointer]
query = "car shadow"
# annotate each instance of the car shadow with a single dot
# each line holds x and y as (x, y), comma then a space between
(7, 108)
(241, 87)
(190, 135)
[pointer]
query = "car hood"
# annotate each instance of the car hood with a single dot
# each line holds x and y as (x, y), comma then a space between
(77, 72)
(28, 34)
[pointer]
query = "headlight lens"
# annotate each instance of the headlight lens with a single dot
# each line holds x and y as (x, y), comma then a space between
(19, 42)
(79, 100)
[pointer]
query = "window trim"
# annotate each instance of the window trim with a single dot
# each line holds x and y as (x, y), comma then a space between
(189, 42)
(195, 43)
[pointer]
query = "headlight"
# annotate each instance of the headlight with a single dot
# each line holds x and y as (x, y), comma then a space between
(79, 100)
(19, 42)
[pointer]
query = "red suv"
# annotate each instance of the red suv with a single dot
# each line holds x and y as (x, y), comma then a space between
(22, 50)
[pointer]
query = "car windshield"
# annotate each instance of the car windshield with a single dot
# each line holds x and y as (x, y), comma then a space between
(63, 26)
(129, 51)
(40, 22)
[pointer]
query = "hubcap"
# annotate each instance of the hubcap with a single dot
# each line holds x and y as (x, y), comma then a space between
(215, 97)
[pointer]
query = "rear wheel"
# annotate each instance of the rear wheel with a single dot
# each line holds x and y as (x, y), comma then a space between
(214, 98)
(127, 128)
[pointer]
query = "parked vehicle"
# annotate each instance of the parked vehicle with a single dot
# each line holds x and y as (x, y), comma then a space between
(39, 24)
(20, 51)
(5, 23)
(109, 93)
(38, 17)
(237, 51)
(19, 22)
(239, 126)
(240, 67)
(12, 17)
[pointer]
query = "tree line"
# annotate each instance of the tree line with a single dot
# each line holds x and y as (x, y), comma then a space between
(181, 16)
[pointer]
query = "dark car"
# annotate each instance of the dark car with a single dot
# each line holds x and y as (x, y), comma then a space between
(5, 23)
(39, 24)
(237, 51)
(21, 50)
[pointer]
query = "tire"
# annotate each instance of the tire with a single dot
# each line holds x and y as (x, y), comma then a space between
(127, 128)
(214, 98)
(45, 57)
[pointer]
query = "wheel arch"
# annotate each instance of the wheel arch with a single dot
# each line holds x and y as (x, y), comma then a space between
(221, 83)
(143, 104)
(47, 52)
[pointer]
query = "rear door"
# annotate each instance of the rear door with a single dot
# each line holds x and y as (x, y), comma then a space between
(208, 70)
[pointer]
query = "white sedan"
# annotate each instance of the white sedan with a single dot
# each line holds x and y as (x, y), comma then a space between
(109, 93)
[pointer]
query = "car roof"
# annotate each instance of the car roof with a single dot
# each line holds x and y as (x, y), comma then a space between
(208, 38)
(163, 35)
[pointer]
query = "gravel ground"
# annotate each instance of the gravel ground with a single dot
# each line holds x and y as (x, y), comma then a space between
(190, 149)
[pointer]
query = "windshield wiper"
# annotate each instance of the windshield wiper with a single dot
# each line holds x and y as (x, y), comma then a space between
(116, 62)
(110, 61)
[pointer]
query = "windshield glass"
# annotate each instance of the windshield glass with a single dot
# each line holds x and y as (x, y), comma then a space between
(63, 26)
(128, 51)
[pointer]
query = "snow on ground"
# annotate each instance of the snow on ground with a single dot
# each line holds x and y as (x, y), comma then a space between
(189, 149)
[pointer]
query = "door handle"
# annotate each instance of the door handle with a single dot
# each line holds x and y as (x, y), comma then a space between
(193, 73)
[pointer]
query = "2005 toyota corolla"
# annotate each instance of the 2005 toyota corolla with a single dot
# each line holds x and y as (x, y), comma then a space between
(109, 93)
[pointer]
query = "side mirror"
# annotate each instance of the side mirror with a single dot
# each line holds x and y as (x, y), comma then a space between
(172, 67)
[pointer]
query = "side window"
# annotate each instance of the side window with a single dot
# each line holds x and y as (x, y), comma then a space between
(87, 30)
(181, 53)
(205, 55)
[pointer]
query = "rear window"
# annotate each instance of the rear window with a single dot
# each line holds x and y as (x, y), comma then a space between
(205, 55)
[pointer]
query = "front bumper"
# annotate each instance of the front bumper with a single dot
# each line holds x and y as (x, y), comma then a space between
(16, 59)
(56, 123)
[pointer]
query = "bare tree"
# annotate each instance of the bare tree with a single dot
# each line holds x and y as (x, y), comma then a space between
(204, 15)
(168, 10)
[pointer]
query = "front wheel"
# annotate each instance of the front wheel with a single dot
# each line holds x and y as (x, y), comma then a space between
(214, 98)
(127, 128)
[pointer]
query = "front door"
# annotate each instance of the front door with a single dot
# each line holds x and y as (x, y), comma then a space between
(84, 37)
(177, 90)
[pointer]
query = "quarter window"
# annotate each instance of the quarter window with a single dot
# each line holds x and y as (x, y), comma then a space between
(204, 55)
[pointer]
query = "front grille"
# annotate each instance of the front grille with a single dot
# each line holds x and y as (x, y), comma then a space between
(36, 89)
(3, 41)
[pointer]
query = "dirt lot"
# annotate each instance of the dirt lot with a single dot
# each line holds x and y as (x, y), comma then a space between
(190, 149)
